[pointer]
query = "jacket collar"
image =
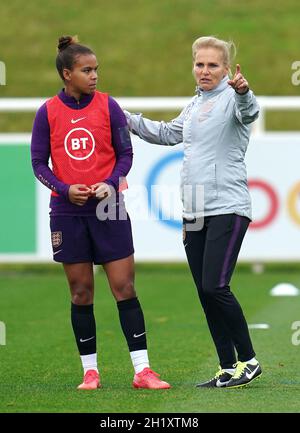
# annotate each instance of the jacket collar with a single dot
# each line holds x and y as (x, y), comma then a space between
(215, 91)
(70, 100)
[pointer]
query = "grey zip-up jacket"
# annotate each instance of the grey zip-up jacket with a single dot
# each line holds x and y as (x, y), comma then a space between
(214, 128)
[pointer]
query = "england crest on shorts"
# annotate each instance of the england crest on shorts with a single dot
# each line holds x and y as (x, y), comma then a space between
(56, 239)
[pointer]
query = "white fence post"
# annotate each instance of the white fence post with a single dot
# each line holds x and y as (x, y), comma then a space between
(2, 74)
(259, 126)
(2, 334)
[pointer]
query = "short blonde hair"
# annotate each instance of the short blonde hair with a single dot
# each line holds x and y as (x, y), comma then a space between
(228, 49)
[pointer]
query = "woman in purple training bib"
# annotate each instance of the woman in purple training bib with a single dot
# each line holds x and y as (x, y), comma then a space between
(85, 133)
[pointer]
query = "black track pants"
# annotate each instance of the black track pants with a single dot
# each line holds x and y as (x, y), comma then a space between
(212, 253)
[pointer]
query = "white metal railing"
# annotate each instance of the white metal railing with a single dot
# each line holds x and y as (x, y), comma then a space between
(161, 104)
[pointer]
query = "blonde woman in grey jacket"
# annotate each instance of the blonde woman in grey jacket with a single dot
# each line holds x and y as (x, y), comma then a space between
(214, 128)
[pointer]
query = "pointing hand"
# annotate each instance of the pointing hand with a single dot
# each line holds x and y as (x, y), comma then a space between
(239, 82)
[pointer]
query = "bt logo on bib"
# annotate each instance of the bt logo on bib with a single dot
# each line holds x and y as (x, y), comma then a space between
(79, 143)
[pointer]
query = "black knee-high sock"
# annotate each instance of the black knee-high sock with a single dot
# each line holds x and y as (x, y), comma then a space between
(133, 324)
(84, 327)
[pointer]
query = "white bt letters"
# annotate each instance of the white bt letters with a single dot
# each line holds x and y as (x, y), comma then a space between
(79, 143)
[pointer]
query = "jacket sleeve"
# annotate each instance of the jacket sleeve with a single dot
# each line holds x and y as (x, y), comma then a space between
(246, 108)
(121, 142)
(164, 133)
(40, 154)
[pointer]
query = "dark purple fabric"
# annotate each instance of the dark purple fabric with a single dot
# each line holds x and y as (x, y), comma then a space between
(86, 239)
(229, 251)
(40, 153)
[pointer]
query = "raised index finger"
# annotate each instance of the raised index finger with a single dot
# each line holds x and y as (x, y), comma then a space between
(238, 69)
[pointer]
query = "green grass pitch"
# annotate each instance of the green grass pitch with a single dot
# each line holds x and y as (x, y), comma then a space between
(40, 367)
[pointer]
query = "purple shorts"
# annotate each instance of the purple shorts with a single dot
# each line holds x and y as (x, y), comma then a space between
(79, 239)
